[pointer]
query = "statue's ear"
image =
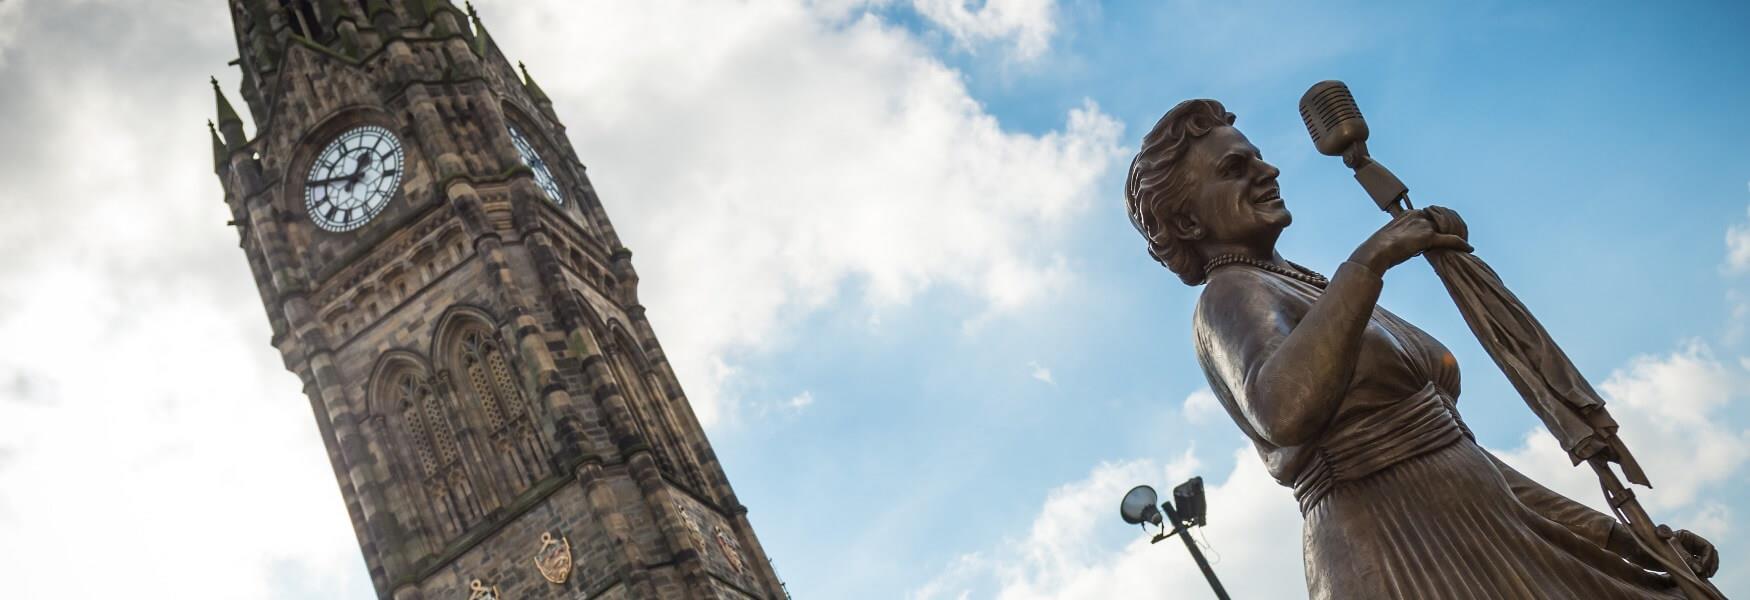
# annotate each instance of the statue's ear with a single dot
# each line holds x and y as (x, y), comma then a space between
(1184, 227)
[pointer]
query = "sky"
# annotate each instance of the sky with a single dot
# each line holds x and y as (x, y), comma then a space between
(883, 244)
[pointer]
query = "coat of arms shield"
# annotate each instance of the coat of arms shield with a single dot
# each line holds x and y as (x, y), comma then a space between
(731, 549)
(693, 530)
(554, 558)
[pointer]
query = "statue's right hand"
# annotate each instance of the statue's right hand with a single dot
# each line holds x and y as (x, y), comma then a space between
(1411, 233)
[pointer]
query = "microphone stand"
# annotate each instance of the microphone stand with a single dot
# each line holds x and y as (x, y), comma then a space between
(1393, 197)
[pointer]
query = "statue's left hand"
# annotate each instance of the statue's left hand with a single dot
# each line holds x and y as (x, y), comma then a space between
(1447, 220)
(1703, 558)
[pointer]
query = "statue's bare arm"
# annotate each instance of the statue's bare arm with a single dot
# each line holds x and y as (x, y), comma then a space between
(1287, 367)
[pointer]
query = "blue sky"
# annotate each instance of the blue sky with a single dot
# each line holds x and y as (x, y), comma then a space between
(1597, 151)
(883, 244)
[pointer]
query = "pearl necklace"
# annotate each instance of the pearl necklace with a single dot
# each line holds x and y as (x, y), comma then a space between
(1300, 273)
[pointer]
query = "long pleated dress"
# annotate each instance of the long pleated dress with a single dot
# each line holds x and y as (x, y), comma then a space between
(1398, 499)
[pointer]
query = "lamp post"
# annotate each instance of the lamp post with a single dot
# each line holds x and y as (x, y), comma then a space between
(1138, 508)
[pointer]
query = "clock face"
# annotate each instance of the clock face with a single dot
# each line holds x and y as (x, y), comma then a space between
(543, 175)
(353, 179)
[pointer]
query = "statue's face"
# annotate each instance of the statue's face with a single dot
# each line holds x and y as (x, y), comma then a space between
(1234, 195)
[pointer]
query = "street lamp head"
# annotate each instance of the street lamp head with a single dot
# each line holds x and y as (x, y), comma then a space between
(1139, 507)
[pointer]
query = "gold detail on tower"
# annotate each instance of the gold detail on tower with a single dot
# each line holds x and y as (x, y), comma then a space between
(554, 558)
(479, 591)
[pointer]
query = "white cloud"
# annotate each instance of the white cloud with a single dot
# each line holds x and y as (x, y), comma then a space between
(1711, 518)
(149, 421)
(1670, 409)
(140, 403)
(1041, 373)
(800, 401)
(1673, 410)
(11, 15)
(1070, 552)
(1738, 248)
(1737, 262)
(1024, 26)
(758, 157)
(1739, 319)
(1200, 406)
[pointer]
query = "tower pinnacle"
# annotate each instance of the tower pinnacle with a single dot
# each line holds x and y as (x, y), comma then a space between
(482, 40)
(229, 122)
(535, 90)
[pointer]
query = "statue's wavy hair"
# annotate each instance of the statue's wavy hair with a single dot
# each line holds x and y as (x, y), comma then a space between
(1155, 191)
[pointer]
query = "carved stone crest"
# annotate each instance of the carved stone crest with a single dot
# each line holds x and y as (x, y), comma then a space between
(479, 591)
(693, 529)
(731, 549)
(554, 558)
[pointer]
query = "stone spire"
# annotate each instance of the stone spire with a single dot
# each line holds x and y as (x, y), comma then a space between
(534, 89)
(482, 40)
(229, 122)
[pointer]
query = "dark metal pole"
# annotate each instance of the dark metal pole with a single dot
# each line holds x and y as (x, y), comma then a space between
(1197, 555)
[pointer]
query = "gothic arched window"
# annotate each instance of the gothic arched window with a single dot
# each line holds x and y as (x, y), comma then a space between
(426, 428)
(493, 387)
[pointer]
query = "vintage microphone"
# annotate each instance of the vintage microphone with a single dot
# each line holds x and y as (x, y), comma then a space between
(1538, 369)
(1337, 129)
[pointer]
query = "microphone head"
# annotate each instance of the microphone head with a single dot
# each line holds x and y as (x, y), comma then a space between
(1331, 117)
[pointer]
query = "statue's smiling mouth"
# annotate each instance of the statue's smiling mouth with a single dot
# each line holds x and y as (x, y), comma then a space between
(1268, 197)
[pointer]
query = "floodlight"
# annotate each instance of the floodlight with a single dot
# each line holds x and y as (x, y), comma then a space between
(1188, 502)
(1139, 507)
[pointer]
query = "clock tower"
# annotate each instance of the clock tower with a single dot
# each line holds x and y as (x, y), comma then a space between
(440, 274)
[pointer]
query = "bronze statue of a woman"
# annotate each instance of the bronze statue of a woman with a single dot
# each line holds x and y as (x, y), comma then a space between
(1352, 407)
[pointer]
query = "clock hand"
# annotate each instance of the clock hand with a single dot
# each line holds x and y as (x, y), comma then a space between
(328, 180)
(364, 161)
(375, 176)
